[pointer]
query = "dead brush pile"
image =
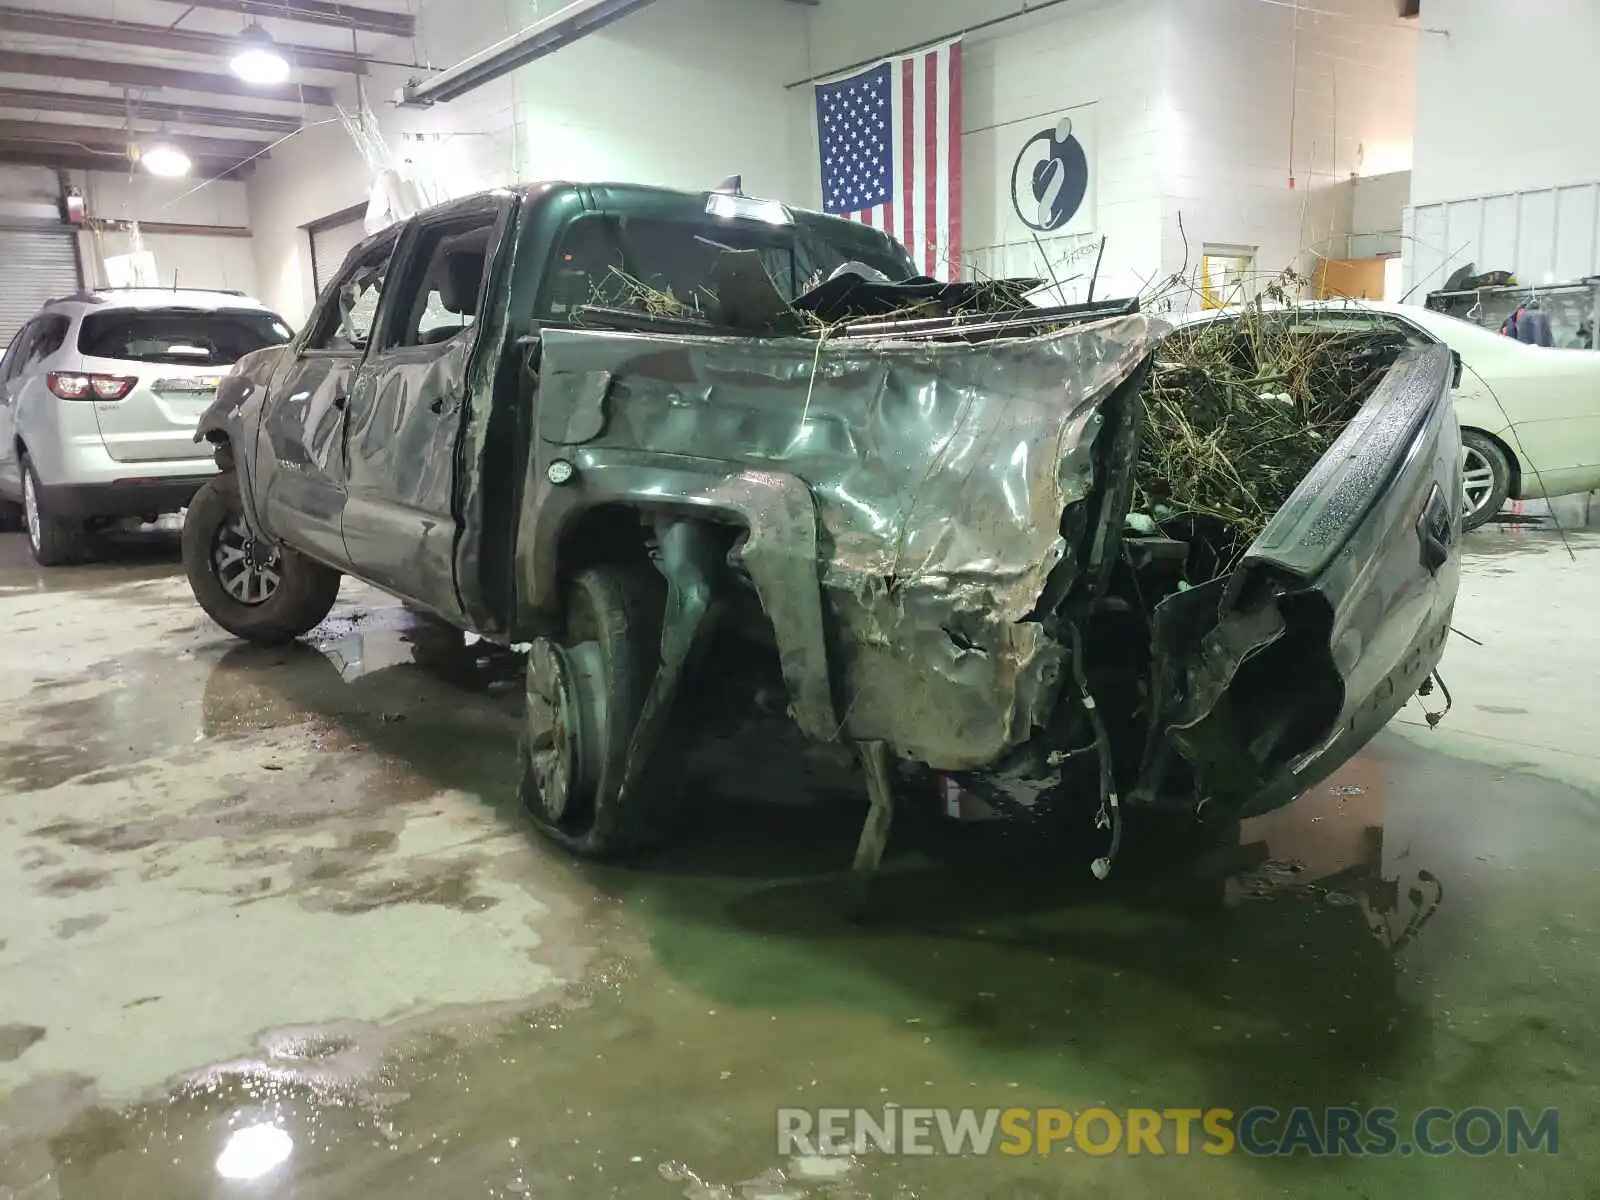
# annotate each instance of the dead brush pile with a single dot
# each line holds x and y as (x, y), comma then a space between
(1237, 412)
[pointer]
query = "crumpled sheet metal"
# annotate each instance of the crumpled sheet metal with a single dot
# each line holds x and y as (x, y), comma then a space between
(939, 472)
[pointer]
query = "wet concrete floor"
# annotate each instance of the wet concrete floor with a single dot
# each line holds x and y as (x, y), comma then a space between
(272, 928)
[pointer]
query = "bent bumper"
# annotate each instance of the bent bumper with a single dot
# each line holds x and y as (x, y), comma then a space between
(124, 497)
(1337, 615)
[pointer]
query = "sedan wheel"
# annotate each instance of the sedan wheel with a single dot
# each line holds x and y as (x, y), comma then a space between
(1479, 481)
(1486, 478)
(241, 575)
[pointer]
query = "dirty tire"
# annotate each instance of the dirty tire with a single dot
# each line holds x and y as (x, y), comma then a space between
(55, 541)
(305, 592)
(614, 619)
(1484, 454)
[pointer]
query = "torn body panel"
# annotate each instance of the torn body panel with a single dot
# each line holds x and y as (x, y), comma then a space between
(233, 421)
(938, 477)
(1343, 603)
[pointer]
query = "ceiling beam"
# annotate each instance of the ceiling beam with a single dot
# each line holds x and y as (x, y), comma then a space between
(30, 154)
(123, 33)
(148, 110)
(317, 12)
(51, 133)
(52, 66)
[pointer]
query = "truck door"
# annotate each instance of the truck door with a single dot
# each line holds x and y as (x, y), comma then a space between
(408, 406)
(300, 476)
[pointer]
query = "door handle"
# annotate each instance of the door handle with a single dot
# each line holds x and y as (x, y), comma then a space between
(341, 402)
(437, 406)
(1433, 531)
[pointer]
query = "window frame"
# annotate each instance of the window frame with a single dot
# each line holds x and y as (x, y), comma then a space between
(325, 318)
(61, 320)
(17, 352)
(799, 241)
(1379, 322)
(401, 301)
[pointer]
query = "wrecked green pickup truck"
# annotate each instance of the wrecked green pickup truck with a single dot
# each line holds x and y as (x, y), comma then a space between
(663, 436)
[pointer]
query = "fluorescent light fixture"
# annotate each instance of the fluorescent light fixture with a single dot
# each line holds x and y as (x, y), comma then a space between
(259, 60)
(254, 1151)
(747, 208)
(166, 160)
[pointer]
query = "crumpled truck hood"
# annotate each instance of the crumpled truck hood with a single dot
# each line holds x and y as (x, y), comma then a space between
(939, 472)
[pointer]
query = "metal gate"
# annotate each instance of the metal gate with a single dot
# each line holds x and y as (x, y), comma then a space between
(1544, 236)
(38, 263)
(331, 239)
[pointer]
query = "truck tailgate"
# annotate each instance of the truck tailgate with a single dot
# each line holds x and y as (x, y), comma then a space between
(1338, 612)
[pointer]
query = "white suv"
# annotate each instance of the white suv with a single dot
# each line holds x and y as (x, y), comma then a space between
(99, 396)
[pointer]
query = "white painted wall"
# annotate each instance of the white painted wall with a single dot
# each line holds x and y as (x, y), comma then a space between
(28, 193)
(682, 93)
(1377, 213)
(225, 263)
(1507, 170)
(200, 261)
(1505, 98)
(1089, 52)
(1192, 107)
(1206, 108)
(1258, 95)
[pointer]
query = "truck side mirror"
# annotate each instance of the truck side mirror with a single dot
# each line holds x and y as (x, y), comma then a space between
(1455, 374)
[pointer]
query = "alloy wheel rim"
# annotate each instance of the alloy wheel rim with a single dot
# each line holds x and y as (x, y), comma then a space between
(549, 718)
(241, 575)
(1478, 481)
(30, 508)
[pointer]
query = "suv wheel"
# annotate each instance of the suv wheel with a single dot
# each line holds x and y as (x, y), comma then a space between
(585, 692)
(266, 595)
(55, 541)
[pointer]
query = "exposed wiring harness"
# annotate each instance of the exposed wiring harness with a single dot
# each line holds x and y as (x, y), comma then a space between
(1110, 814)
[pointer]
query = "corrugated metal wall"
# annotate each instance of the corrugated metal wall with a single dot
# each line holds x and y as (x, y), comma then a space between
(1550, 235)
(38, 262)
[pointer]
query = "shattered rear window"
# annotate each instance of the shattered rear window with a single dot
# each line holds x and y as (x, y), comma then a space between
(622, 262)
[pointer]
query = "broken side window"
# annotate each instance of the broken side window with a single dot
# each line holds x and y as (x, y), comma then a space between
(665, 267)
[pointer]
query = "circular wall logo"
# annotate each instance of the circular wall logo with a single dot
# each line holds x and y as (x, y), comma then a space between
(1050, 178)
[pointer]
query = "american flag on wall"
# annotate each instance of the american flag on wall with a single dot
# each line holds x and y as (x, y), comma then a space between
(890, 143)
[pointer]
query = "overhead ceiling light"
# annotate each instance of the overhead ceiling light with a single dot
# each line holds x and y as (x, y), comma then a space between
(166, 160)
(258, 59)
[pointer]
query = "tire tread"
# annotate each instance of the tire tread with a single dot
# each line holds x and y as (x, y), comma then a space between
(306, 591)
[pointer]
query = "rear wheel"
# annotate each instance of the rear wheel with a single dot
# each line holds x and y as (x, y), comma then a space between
(585, 692)
(1487, 480)
(54, 540)
(263, 594)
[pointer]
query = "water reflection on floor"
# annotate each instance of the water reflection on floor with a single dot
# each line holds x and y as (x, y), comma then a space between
(1417, 931)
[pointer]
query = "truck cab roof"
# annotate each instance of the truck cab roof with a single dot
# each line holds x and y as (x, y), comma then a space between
(848, 239)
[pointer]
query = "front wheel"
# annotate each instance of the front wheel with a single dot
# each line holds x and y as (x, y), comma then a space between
(585, 692)
(267, 595)
(1487, 475)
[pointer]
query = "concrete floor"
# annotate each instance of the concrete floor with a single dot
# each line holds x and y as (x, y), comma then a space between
(286, 890)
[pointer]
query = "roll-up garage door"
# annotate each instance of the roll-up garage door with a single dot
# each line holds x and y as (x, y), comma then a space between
(331, 240)
(38, 263)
